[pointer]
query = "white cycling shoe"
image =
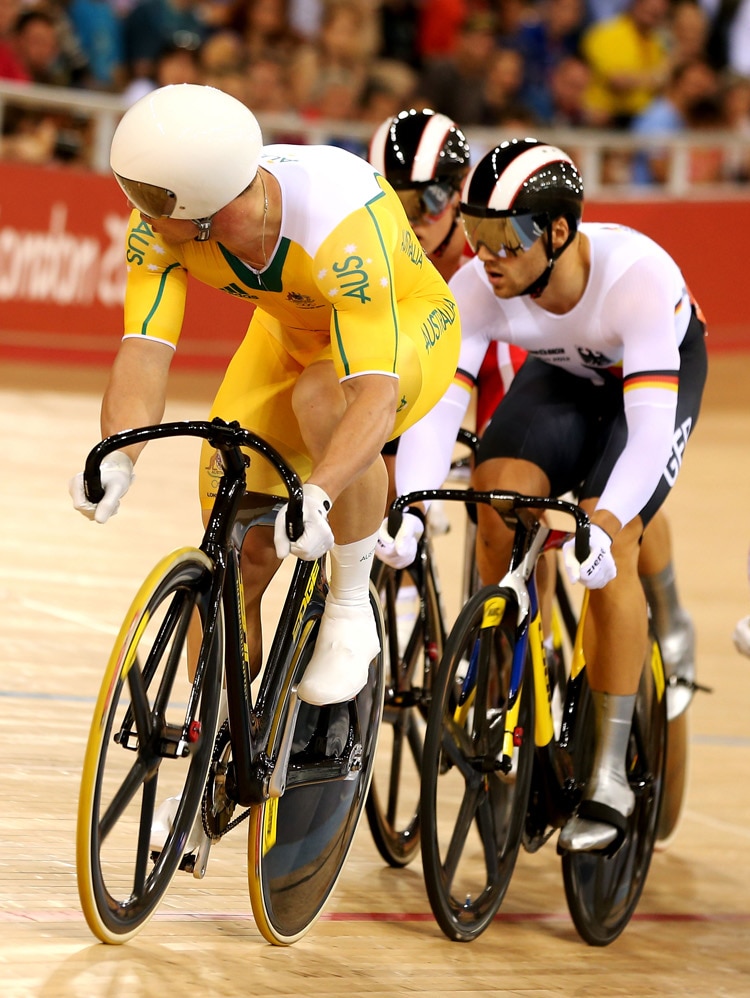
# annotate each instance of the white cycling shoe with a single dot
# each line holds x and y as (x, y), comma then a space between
(340, 663)
(162, 823)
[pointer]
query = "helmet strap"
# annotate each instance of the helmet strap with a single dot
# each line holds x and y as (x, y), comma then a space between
(443, 245)
(204, 228)
(535, 289)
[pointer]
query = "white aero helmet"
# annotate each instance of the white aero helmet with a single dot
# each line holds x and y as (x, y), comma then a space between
(186, 151)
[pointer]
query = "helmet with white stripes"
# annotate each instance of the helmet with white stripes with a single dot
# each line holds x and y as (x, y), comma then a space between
(513, 195)
(524, 177)
(417, 148)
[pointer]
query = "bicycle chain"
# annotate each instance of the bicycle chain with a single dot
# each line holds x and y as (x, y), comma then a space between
(208, 816)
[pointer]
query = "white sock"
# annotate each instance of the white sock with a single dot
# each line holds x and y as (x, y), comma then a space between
(350, 572)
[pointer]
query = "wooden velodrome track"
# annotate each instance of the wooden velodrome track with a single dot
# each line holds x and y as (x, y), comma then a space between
(64, 587)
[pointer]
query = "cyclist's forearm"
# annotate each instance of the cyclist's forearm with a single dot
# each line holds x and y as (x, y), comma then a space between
(136, 391)
(360, 435)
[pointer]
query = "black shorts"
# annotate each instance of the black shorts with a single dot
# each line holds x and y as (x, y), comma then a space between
(575, 430)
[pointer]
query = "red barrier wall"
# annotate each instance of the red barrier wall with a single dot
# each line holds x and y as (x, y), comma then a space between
(62, 269)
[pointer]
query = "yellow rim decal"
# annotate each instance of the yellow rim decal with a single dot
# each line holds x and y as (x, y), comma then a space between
(270, 814)
(494, 609)
(657, 668)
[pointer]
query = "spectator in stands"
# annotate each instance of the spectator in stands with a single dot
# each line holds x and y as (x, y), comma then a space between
(390, 86)
(438, 27)
(502, 88)
(39, 135)
(566, 105)
(222, 59)
(735, 100)
(265, 29)
(629, 61)
(174, 64)
(37, 46)
(267, 85)
(339, 60)
(99, 30)
(454, 84)
(728, 44)
(399, 31)
(340, 57)
(543, 43)
(152, 26)
(688, 31)
(11, 65)
(691, 84)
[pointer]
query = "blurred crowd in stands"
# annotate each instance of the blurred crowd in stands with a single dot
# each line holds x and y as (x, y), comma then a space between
(637, 66)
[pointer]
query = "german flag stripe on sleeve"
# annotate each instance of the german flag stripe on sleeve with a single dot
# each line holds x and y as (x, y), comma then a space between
(667, 380)
(464, 379)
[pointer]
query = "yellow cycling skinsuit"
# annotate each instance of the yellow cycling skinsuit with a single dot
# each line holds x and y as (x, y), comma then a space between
(347, 280)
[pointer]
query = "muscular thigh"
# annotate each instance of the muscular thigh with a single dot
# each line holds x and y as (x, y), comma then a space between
(554, 420)
(257, 391)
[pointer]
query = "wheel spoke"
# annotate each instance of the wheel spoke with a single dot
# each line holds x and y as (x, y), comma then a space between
(464, 822)
(143, 852)
(128, 789)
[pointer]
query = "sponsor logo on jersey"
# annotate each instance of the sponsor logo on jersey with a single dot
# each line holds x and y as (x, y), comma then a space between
(238, 292)
(679, 442)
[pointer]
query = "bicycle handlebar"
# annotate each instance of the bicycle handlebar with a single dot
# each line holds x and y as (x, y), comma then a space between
(221, 435)
(503, 502)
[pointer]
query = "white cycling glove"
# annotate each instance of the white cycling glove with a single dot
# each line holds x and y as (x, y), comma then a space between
(599, 568)
(117, 474)
(317, 536)
(401, 550)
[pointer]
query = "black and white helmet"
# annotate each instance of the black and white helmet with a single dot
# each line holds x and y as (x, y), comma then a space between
(524, 177)
(420, 147)
(514, 193)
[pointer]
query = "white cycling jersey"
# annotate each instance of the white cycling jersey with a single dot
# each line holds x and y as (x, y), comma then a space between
(630, 321)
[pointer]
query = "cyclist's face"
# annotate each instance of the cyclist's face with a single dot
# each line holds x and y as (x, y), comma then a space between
(431, 223)
(174, 230)
(510, 275)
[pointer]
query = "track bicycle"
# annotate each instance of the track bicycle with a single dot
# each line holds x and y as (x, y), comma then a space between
(300, 772)
(412, 653)
(412, 648)
(499, 770)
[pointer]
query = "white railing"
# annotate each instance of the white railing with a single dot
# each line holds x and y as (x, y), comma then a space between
(593, 150)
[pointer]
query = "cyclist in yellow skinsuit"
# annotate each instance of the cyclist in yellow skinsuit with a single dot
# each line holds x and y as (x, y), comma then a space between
(354, 336)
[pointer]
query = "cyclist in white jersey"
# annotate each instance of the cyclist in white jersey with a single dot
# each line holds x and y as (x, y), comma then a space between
(603, 407)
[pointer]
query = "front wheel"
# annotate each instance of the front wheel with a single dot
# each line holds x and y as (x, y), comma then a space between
(412, 645)
(298, 842)
(603, 891)
(143, 747)
(477, 767)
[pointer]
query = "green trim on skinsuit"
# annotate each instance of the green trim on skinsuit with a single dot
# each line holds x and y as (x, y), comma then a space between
(157, 300)
(271, 279)
(387, 259)
(347, 372)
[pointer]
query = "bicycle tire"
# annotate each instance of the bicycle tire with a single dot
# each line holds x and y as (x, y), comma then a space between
(603, 891)
(139, 715)
(298, 843)
(392, 806)
(675, 779)
(463, 791)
